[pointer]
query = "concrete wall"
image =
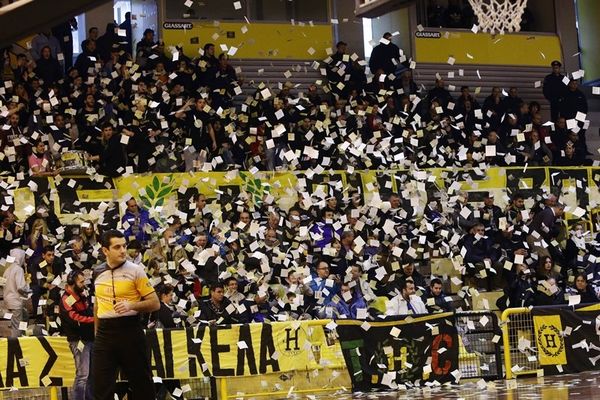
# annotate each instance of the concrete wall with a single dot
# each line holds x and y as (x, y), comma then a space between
(589, 32)
(398, 20)
(350, 32)
(567, 32)
(99, 17)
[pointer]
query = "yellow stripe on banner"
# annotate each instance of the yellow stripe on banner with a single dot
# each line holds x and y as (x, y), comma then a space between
(482, 48)
(406, 321)
(593, 307)
(95, 195)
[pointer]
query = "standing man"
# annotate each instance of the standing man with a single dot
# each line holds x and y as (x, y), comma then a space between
(16, 290)
(554, 88)
(126, 25)
(385, 56)
(77, 316)
(122, 293)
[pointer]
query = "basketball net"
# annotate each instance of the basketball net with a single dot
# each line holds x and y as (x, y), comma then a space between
(499, 16)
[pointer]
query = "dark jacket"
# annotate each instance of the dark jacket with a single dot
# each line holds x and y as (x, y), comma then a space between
(439, 303)
(49, 70)
(554, 87)
(381, 58)
(113, 158)
(77, 317)
(209, 312)
(163, 317)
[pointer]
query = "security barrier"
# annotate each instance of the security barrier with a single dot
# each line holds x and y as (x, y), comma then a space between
(280, 358)
(519, 342)
(479, 354)
(551, 339)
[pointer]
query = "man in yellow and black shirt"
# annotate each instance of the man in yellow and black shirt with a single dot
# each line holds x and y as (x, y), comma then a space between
(123, 291)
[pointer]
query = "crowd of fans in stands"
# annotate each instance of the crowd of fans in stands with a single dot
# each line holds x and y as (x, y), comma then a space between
(166, 112)
(330, 255)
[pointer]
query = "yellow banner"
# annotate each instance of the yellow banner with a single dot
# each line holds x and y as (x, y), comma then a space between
(36, 362)
(161, 193)
(237, 350)
(550, 343)
(256, 40)
(482, 48)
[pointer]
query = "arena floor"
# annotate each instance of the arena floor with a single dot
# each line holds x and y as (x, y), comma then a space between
(585, 385)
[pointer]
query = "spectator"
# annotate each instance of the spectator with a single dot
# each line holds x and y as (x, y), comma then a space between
(217, 310)
(554, 88)
(549, 293)
(86, 61)
(44, 274)
(520, 290)
(64, 33)
(163, 318)
(137, 222)
(324, 287)
(41, 40)
(40, 162)
(48, 69)
(10, 234)
(573, 101)
(16, 290)
(144, 47)
(440, 93)
(435, 299)
(385, 56)
(112, 158)
(583, 289)
(77, 317)
(407, 302)
(126, 25)
(350, 304)
(105, 43)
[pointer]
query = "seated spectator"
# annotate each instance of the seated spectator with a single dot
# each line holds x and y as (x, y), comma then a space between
(520, 290)
(361, 286)
(40, 162)
(163, 318)
(480, 256)
(324, 287)
(232, 293)
(407, 302)
(435, 299)
(549, 293)
(583, 289)
(217, 309)
(137, 222)
(350, 303)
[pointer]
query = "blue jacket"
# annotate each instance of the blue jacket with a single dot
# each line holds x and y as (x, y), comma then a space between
(349, 310)
(318, 285)
(136, 228)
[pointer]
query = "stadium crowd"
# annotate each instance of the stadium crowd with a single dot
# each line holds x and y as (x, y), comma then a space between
(332, 254)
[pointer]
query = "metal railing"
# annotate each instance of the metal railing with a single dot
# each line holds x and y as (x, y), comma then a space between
(480, 353)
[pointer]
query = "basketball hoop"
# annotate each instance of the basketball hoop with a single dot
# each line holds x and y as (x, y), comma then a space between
(499, 16)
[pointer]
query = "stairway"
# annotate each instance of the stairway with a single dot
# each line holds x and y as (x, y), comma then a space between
(302, 73)
(485, 77)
